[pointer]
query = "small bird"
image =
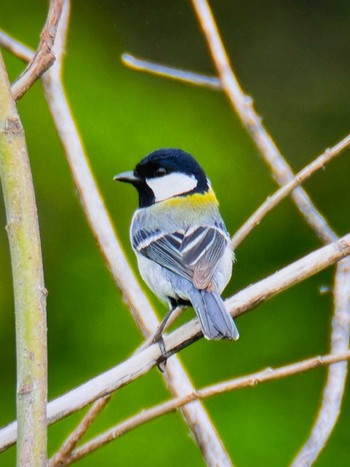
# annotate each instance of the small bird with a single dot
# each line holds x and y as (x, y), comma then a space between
(179, 238)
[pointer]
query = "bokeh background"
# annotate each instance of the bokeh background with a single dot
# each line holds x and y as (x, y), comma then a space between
(292, 57)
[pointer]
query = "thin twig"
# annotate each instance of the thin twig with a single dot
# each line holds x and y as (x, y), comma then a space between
(64, 453)
(334, 389)
(44, 56)
(165, 71)
(252, 380)
(243, 105)
(28, 281)
(176, 378)
(285, 190)
(140, 363)
(16, 48)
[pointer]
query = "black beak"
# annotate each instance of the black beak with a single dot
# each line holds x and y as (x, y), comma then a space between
(127, 177)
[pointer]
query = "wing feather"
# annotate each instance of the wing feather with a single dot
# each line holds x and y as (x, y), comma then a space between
(192, 253)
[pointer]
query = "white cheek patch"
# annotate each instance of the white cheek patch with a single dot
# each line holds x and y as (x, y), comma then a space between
(171, 185)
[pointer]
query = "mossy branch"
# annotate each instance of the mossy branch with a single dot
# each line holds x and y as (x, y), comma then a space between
(28, 282)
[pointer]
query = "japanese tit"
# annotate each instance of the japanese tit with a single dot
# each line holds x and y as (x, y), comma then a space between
(179, 238)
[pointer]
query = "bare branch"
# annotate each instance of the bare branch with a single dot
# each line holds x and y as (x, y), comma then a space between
(28, 281)
(142, 362)
(285, 190)
(335, 386)
(64, 453)
(252, 380)
(44, 56)
(165, 71)
(243, 105)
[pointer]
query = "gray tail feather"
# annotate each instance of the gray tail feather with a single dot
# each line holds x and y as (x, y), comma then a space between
(216, 323)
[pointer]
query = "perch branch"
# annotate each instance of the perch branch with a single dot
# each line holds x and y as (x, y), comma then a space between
(252, 380)
(44, 56)
(285, 190)
(243, 105)
(335, 385)
(143, 361)
(28, 281)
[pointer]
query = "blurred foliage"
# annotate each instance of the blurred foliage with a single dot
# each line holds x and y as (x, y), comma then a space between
(292, 57)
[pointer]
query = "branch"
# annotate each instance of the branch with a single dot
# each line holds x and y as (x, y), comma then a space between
(252, 380)
(16, 48)
(243, 105)
(335, 386)
(44, 56)
(285, 190)
(64, 453)
(143, 361)
(190, 77)
(28, 281)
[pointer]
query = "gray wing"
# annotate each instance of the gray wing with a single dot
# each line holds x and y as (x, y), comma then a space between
(192, 253)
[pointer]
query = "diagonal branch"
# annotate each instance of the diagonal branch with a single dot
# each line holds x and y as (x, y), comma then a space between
(28, 281)
(335, 386)
(64, 453)
(140, 363)
(248, 381)
(44, 56)
(243, 105)
(285, 190)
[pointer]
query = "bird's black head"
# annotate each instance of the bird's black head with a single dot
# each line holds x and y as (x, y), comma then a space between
(166, 173)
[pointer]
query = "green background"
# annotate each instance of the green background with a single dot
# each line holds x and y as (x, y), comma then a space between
(293, 59)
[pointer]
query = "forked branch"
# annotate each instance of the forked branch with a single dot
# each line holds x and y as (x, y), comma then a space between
(44, 57)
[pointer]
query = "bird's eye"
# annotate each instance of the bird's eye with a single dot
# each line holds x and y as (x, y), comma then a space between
(160, 172)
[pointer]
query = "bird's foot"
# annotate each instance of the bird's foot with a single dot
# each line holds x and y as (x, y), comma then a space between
(162, 360)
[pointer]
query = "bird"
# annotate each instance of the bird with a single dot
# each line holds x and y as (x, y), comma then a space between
(180, 239)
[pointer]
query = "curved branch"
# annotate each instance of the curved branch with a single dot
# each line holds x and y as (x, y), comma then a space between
(335, 386)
